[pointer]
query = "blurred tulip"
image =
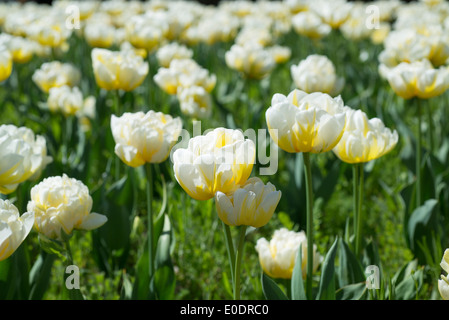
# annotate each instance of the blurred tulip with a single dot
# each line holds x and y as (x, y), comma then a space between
(5, 63)
(280, 54)
(304, 122)
(144, 138)
(62, 204)
(21, 49)
(333, 13)
(195, 102)
(147, 31)
(22, 156)
(309, 24)
(252, 60)
(418, 79)
(364, 139)
(317, 74)
(221, 160)
(278, 256)
(49, 31)
(172, 51)
(116, 70)
(252, 204)
(99, 35)
(443, 283)
(56, 74)
(184, 73)
(13, 228)
(70, 102)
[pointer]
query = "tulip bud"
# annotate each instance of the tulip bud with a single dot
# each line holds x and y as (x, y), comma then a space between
(278, 256)
(253, 204)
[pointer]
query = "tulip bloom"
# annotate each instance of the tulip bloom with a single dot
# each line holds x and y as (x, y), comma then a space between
(364, 140)
(221, 160)
(251, 59)
(99, 35)
(62, 203)
(443, 283)
(144, 138)
(195, 102)
(172, 51)
(5, 64)
(21, 49)
(118, 70)
(253, 204)
(183, 73)
(22, 156)
(304, 122)
(13, 228)
(278, 256)
(56, 74)
(317, 74)
(70, 102)
(418, 79)
(309, 24)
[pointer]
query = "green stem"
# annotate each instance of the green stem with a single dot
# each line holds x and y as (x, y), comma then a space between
(150, 217)
(229, 248)
(355, 179)
(358, 244)
(430, 119)
(118, 113)
(238, 262)
(309, 196)
(418, 155)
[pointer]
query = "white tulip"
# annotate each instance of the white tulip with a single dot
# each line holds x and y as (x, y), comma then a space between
(253, 204)
(278, 256)
(304, 122)
(144, 138)
(443, 283)
(13, 228)
(23, 156)
(221, 160)
(317, 74)
(62, 204)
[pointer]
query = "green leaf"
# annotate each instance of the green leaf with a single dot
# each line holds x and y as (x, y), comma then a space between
(165, 282)
(141, 286)
(355, 291)
(164, 277)
(40, 275)
(298, 292)
(127, 287)
(349, 270)
(7, 276)
(52, 246)
(327, 281)
(410, 286)
(420, 226)
(271, 290)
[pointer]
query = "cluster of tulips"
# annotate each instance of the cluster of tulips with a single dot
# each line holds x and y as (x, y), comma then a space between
(123, 39)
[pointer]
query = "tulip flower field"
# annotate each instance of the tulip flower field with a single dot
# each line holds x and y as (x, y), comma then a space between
(266, 150)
